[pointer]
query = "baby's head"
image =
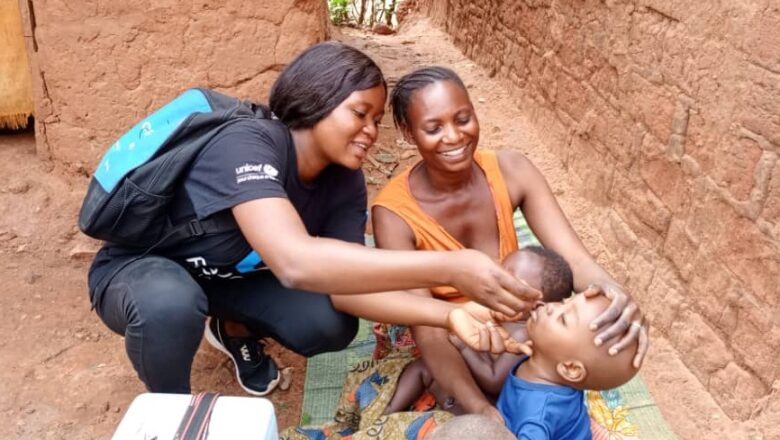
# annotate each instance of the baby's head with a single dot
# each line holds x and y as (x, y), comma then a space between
(563, 345)
(471, 426)
(542, 269)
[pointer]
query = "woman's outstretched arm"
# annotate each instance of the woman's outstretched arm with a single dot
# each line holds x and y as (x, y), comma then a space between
(274, 229)
(399, 307)
(418, 308)
(529, 190)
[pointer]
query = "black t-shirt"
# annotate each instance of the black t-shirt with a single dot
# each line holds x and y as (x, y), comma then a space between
(250, 160)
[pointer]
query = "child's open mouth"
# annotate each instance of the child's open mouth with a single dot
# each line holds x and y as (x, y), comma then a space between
(534, 311)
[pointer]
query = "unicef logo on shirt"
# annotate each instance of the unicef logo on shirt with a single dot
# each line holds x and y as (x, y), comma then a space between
(270, 170)
(255, 171)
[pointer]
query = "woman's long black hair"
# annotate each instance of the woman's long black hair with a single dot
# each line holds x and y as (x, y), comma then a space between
(318, 80)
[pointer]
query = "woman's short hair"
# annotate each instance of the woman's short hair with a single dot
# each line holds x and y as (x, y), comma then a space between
(414, 81)
(318, 80)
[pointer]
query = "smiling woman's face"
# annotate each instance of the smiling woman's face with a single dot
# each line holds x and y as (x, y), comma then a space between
(443, 125)
(346, 134)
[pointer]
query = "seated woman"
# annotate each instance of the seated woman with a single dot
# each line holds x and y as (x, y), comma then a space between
(459, 197)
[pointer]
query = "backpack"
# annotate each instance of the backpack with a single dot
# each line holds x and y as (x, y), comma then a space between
(129, 196)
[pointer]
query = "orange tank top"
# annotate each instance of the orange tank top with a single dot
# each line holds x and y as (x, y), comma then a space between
(430, 235)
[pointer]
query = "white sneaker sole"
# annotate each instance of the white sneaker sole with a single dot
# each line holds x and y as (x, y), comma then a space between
(212, 339)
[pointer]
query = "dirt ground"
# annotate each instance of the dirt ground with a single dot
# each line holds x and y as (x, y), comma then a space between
(65, 376)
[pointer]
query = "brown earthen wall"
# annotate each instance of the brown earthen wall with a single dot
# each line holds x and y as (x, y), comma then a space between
(101, 66)
(669, 113)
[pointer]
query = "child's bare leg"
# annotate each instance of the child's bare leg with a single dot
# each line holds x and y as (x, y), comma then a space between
(445, 400)
(414, 380)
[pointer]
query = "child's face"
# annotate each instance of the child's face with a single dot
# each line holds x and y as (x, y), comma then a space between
(565, 326)
(443, 125)
(561, 334)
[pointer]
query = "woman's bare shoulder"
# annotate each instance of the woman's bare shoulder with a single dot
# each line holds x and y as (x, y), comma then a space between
(391, 231)
(511, 158)
(516, 168)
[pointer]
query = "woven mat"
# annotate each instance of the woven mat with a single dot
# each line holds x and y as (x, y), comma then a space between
(325, 374)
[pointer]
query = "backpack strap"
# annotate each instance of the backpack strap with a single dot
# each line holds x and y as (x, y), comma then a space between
(196, 228)
(195, 422)
(190, 229)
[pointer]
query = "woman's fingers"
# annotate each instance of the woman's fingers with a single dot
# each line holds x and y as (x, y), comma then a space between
(622, 318)
(496, 337)
(631, 335)
(484, 339)
(501, 341)
(500, 317)
(593, 290)
(465, 326)
(471, 325)
(619, 327)
(489, 284)
(504, 303)
(613, 312)
(517, 347)
(644, 344)
(525, 292)
(518, 290)
(518, 301)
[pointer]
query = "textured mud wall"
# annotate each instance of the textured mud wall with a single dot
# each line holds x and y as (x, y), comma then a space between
(669, 112)
(101, 66)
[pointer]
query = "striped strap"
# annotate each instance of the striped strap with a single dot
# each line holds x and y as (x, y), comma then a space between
(195, 422)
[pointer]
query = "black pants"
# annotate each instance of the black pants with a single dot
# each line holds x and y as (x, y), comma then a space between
(161, 310)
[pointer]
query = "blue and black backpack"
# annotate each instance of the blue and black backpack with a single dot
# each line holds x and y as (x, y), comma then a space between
(129, 196)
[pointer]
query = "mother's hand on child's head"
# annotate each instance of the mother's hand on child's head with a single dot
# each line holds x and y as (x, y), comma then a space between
(474, 325)
(621, 317)
(486, 282)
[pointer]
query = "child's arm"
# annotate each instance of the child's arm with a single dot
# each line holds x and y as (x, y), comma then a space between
(490, 372)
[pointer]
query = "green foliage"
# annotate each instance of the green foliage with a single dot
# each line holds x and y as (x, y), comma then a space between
(305, 419)
(339, 11)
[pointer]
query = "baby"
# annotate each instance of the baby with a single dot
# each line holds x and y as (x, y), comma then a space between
(543, 396)
(542, 269)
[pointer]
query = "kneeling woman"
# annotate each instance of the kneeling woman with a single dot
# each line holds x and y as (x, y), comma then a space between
(294, 190)
(459, 197)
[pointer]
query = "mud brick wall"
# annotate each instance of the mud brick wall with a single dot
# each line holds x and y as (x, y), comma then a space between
(99, 67)
(669, 114)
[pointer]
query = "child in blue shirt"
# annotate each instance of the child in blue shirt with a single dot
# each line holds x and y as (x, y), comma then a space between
(543, 397)
(539, 397)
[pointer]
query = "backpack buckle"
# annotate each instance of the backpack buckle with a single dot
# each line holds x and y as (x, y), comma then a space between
(196, 229)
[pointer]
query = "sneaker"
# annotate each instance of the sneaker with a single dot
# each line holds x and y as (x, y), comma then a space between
(257, 373)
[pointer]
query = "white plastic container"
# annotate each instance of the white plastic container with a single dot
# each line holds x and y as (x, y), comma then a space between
(157, 416)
